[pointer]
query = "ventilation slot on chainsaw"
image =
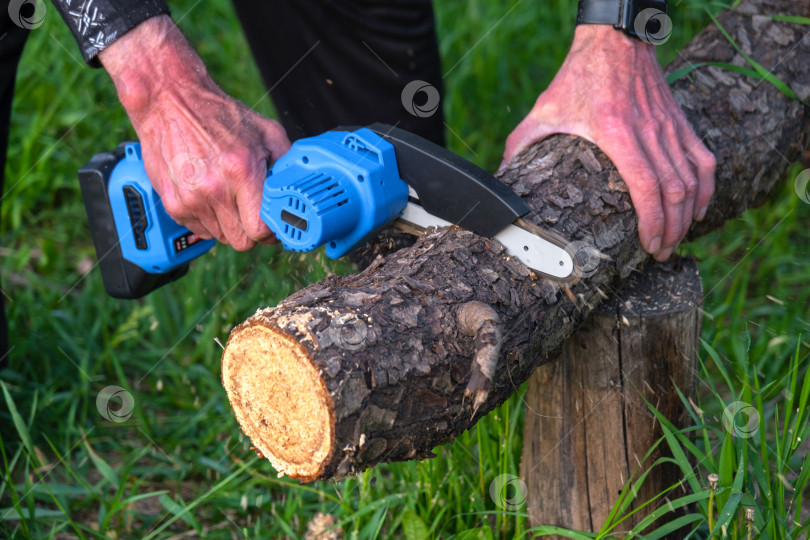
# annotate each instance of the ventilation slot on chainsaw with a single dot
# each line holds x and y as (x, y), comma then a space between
(137, 216)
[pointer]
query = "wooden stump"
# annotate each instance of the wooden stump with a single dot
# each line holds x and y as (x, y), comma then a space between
(587, 425)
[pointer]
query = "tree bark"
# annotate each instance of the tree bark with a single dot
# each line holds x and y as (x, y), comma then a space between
(588, 426)
(375, 367)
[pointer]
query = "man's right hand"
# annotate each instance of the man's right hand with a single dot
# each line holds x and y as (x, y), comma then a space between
(205, 153)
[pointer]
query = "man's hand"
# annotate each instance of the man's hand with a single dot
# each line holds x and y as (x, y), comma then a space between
(611, 91)
(205, 153)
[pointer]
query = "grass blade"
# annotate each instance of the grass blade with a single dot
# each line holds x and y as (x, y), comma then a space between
(19, 424)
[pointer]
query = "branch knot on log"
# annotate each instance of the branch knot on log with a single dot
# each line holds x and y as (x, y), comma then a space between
(483, 323)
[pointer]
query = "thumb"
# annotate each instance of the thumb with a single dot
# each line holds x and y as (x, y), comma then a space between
(552, 113)
(528, 132)
(275, 137)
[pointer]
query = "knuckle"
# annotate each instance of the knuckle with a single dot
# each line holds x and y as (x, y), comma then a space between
(257, 232)
(213, 193)
(674, 235)
(709, 161)
(276, 126)
(674, 191)
(174, 208)
(672, 232)
(650, 130)
(512, 137)
(236, 164)
(273, 128)
(242, 243)
(645, 182)
(690, 185)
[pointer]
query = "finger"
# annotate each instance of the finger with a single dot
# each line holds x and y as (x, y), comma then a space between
(277, 144)
(687, 175)
(275, 138)
(239, 196)
(673, 195)
(634, 166)
(179, 212)
(220, 203)
(197, 214)
(208, 222)
(706, 164)
(227, 215)
(196, 226)
(247, 204)
(250, 217)
(199, 229)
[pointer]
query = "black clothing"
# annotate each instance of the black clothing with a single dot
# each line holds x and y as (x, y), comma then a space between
(345, 62)
(11, 47)
(98, 23)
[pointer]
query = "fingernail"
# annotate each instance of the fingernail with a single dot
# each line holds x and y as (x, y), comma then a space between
(701, 213)
(664, 255)
(655, 245)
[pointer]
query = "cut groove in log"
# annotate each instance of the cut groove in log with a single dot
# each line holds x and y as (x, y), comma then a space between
(386, 344)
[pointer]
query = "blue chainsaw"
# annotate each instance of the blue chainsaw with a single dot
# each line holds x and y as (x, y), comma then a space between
(337, 189)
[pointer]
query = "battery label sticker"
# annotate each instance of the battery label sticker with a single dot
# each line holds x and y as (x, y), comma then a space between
(185, 241)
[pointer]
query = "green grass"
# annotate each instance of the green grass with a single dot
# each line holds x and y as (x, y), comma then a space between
(180, 463)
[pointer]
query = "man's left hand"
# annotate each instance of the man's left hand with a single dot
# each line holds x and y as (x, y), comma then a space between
(611, 91)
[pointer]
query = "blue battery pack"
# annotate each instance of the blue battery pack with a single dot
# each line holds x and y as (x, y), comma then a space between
(147, 235)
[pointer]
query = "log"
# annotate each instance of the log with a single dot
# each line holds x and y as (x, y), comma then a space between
(374, 367)
(588, 427)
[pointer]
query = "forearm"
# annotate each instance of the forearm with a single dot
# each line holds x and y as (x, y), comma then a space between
(606, 44)
(151, 63)
(97, 25)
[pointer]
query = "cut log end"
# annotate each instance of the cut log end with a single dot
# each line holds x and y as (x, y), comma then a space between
(279, 399)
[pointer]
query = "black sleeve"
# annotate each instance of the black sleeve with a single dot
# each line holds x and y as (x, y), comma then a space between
(98, 23)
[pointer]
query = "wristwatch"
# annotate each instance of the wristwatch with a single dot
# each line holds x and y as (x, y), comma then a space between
(646, 20)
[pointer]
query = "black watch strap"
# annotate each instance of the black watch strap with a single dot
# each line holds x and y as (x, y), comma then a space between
(646, 20)
(600, 12)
